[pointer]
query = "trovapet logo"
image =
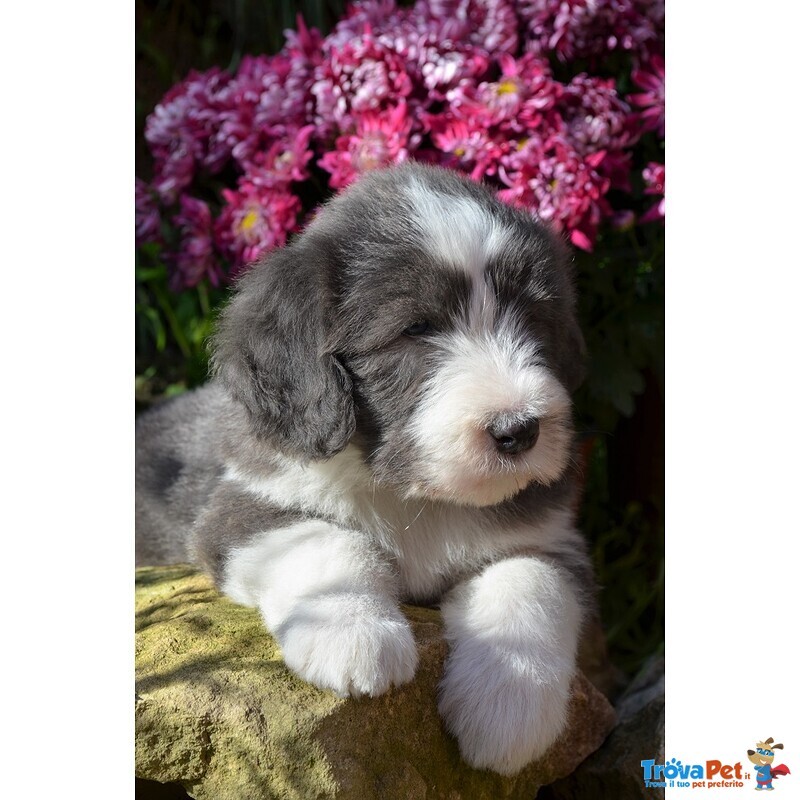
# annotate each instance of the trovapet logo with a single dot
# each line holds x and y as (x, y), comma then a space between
(716, 774)
(676, 774)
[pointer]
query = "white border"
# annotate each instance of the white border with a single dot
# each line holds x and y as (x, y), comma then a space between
(732, 441)
(67, 421)
(66, 328)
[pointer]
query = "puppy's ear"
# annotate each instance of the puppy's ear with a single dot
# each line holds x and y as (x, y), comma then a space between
(269, 351)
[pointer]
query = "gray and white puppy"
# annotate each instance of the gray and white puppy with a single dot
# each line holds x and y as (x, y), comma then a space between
(390, 422)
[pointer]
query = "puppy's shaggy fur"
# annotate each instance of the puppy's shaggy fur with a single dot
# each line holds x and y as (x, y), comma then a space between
(390, 422)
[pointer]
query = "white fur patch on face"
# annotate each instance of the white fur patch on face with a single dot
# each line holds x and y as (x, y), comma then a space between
(461, 233)
(482, 375)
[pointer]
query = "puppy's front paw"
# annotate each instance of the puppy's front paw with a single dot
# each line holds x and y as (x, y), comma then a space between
(354, 645)
(503, 714)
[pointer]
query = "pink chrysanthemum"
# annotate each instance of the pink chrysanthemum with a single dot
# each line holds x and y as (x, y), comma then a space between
(438, 79)
(489, 24)
(565, 189)
(516, 100)
(254, 220)
(594, 115)
(285, 162)
(148, 218)
(654, 178)
(488, 127)
(180, 130)
(440, 52)
(652, 100)
(195, 258)
(268, 98)
(437, 52)
(363, 75)
(366, 16)
(379, 140)
(471, 148)
(592, 28)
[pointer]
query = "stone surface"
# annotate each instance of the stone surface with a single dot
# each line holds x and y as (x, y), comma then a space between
(218, 712)
(615, 769)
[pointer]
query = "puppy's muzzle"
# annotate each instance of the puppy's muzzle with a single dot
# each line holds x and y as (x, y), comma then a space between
(512, 437)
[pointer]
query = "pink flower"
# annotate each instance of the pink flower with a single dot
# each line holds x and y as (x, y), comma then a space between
(441, 67)
(369, 16)
(489, 24)
(652, 100)
(654, 178)
(471, 148)
(565, 189)
(195, 258)
(380, 139)
(488, 124)
(180, 129)
(254, 220)
(361, 75)
(592, 28)
(148, 218)
(594, 115)
(268, 98)
(516, 100)
(285, 161)
(465, 84)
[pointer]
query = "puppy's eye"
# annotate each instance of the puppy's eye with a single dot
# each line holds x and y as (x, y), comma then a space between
(418, 328)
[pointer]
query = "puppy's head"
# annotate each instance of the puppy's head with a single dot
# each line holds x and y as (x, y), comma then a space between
(425, 321)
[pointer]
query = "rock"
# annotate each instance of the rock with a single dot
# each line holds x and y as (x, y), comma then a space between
(218, 712)
(615, 769)
(594, 661)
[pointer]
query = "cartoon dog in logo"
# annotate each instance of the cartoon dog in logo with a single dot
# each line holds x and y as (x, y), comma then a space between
(762, 757)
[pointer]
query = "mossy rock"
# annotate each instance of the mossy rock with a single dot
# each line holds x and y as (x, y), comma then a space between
(218, 712)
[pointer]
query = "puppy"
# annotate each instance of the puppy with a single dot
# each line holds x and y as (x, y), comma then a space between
(390, 422)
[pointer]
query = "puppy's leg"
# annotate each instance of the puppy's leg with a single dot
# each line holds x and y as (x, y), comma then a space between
(330, 601)
(513, 633)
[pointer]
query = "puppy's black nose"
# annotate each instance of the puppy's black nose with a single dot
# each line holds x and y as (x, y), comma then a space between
(515, 437)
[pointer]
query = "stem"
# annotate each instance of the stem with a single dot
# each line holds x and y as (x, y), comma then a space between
(205, 305)
(636, 246)
(174, 325)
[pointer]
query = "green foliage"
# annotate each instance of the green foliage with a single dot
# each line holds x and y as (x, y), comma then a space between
(172, 330)
(621, 307)
(628, 551)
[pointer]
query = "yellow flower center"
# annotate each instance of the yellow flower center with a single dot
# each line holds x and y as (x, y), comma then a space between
(459, 151)
(249, 220)
(506, 87)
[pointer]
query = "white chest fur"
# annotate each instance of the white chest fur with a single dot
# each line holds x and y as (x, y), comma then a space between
(430, 543)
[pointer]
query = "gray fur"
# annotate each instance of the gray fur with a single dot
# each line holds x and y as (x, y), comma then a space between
(270, 354)
(178, 464)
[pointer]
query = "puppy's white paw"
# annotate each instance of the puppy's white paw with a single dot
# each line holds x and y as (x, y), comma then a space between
(503, 714)
(354, 645)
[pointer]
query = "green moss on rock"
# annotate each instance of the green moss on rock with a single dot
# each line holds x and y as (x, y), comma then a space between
(218, 711)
